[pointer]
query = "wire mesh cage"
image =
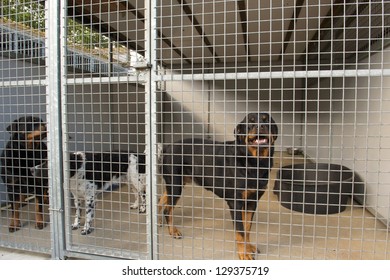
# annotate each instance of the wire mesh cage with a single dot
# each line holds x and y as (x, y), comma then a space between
(200, 129)
(25, 222)
(312, 66)
(106, 124)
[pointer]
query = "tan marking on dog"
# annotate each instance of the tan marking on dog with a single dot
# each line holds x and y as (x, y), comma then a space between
(265, 152)
(161, 204)
(244, 249)
(167, 211)
(39, 223)
(247, 193)
(253, 151)
(15, 224)
(35, 135)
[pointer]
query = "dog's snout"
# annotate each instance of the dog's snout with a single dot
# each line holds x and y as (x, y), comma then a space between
(264, 128)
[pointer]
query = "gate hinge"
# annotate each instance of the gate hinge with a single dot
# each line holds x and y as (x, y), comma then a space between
(56, 210)
(142, 66)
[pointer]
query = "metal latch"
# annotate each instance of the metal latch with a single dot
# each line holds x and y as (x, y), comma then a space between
(142, 66)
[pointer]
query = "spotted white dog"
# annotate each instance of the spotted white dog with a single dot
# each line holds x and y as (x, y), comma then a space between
(94, 173)
(138, 177)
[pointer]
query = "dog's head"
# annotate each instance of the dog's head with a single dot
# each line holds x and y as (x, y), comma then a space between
(258, 132)
(77, 162)
(29, 129)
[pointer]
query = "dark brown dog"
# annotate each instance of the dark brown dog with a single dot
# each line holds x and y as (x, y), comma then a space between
(24, 150)
(236, 171)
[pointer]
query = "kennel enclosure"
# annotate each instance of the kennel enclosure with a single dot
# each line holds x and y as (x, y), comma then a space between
(127, 75)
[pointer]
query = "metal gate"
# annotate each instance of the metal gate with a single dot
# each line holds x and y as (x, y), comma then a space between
(127, 77)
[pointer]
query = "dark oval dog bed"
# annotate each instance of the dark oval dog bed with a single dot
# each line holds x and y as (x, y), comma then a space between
(315, 188)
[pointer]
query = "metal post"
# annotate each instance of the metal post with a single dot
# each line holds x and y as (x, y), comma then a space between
(151, 139)
(53, 70)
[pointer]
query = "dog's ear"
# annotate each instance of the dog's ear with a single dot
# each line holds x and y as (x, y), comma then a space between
(240, 131)
(274, 129)
(13, 127)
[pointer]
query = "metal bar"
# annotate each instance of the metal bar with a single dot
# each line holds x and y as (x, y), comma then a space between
(55, 124)
(279, 75)
(151, 127)
(22, 83)
(93, 80)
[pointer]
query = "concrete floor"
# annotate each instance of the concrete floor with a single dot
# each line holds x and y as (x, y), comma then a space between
(208, 231)
(13, 255)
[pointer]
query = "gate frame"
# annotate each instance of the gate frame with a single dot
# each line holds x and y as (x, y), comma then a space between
(54, 68)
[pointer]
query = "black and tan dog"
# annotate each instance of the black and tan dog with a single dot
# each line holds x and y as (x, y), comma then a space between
(24, 150)
(236, 171)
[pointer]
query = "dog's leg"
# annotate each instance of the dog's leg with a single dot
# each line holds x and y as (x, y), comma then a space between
(89, 212)
(247, 217)
(46, 196)
(135, 205)
(39, 222)
(162, 200)
(89, 215)
(168, 213)
(77, 205)
(161, 204)
(138, 183)
(15, 224)
(168, 202)
(250, 198)
(244, 248)
(142, 192)
(142, 205)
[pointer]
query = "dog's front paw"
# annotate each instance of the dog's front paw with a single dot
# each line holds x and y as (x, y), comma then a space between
(134, 206)
(40, 225)
(14, 228)
(175, 233)
(247, 251)
(142, 209)
(75, 226)
(86, 231)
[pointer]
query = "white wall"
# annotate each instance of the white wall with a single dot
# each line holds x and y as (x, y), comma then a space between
(213, 108)
(352, 128)
(106, 117)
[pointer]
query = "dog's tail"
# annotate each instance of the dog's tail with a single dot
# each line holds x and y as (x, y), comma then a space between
(81, 155)
(133, 161)
(40, 170)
